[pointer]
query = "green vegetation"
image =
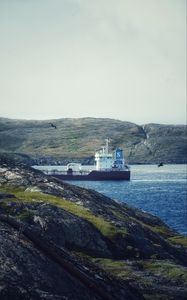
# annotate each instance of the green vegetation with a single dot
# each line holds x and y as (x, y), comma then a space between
(166, 269)
(119, 215)
(145, 273)
(167, 234)
(178, 239)
(162, 230)
(149, 276)
(105, 227)
(118, 268)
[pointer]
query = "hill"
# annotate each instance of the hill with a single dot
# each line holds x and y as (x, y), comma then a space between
(79, 138)
(64, 242)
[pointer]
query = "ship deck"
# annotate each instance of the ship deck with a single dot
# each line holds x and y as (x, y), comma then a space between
(95, 175)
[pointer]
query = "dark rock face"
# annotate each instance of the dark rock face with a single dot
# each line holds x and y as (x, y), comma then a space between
(72, 232)
(28, 274)
(5, 195)
(90, 228)
(34, 142)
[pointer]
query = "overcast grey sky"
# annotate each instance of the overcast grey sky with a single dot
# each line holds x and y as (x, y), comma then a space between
(122, 59)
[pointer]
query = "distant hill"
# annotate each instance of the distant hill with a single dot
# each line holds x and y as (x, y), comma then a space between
(79, 138)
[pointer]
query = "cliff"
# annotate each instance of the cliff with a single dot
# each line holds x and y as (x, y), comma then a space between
(64, 242)
(39, 142)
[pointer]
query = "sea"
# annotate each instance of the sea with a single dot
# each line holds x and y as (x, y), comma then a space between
(161, 191)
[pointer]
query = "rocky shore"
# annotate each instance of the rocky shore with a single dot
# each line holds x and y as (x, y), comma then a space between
(64, 242)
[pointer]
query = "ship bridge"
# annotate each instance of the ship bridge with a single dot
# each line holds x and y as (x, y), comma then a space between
(108, 161)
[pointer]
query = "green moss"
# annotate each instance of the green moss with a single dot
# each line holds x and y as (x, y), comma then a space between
(162, 269)
(118, 268)
(166, 269)
(162, 230)
(11, 189)
(105, 227)
(110, 263)
(146, 274)
(178, 239)
(118, 214)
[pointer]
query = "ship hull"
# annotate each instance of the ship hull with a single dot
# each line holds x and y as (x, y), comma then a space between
(96, 176)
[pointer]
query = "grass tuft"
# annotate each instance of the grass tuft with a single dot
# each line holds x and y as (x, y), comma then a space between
(178, 239)
(105, 227)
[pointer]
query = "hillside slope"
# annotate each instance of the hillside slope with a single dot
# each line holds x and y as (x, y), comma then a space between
(79, 138)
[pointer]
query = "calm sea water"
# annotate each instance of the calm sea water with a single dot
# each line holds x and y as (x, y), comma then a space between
(160, 191)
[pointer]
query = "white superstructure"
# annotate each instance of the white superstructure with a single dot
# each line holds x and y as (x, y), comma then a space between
(104, 160)
(108, 161)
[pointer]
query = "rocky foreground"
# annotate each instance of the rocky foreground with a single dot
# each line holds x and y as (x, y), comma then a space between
(64, 242)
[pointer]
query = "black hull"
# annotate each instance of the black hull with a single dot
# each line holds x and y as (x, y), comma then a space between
(96, 176)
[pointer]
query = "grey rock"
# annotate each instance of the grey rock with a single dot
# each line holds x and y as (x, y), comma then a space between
(27, 273)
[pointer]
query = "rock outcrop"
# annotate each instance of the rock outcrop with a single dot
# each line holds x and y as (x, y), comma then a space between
(64, 242)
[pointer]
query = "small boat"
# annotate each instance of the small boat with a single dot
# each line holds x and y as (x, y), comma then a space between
(108, 166)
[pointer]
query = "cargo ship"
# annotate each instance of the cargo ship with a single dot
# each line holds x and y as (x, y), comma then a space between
(108, 166)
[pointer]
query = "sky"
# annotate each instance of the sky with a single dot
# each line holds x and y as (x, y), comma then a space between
(120, 59)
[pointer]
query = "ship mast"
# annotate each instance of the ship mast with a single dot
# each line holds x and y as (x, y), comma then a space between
(106, 147)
